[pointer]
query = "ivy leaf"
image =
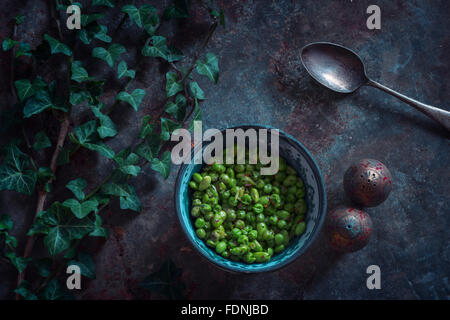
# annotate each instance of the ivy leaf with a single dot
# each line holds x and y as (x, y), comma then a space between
(163, 166)
(179, 9)
(106, 3)
(77, 186)
(196, 91)
(134, 99)
(172, 86)
(127, 194)
(86, 265)
(126, 161)
(65, 228)
(165, 281)
(87, 136)
(19, 19)
(54, 291)
(209, 67)
(110, 55)
(23, 50)
(81, 210)
(177, 108)
(145, 16)
(23, 290)
(99, 231)
(79, 74)
(159, 49)
(14, 172)
(167, 127)
(146, 127)
(56, 46)
(41, 141)
(24, 89)
(39, 102)
(44, 266)
(92, 29)
(8, 44)
(123, 71)
(5, 222)
(197, 116)
(19, 262)
(107, 127)
(77, 97)
(45, 174)
(149, 149)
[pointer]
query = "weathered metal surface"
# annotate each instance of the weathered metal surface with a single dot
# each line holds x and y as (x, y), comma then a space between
(262, 81)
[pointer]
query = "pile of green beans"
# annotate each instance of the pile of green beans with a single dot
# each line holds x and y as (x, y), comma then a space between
(245, 216)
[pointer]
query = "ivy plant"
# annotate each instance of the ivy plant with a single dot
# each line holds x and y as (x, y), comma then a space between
(63, 223)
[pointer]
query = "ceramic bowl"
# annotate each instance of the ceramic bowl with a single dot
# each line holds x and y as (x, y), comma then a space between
(297, 156)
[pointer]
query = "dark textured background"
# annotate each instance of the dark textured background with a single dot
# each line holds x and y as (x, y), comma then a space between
(262, 81)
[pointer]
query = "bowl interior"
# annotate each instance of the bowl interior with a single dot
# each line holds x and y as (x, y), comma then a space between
(300, 159)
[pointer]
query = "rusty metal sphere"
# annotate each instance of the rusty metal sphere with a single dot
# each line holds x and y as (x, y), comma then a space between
(348, 229)
(368, 182)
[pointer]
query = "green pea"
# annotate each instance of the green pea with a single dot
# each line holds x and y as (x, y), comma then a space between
(246, 199)
(221, 247)
(261, 227)
(195, 212)
(300, 228)
(252, 235)
(258, 208)
(240, 224)
(249, 257)
(230, 172)
(261, 256)
(270, 251)
(239, 251)
(236, 233)
(197, 177)
(201, 233)
(276, 200)
(282, 224)
(254, 194)
(243, 239)
(283, 214)
(275, 190)
(218, 168)
(285, 234)
(193, 185)
(206, 182)
(217, 221)
(211, 243)
(225, 254)
(241, 214)
(239, 168)
(200, 222)
(279, 238)
(205, 208)
(260, 217)
(300, 207)
(273, 220)
(289, 181)
(279, 248)
(260, 184)
(267, 234)
(268, 188)
(231, 214)
(290, 171)
(232, 201)
(281, 165)
(264, 200)
(255, 246)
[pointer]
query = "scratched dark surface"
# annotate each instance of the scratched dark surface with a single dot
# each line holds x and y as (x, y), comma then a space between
(262, 81)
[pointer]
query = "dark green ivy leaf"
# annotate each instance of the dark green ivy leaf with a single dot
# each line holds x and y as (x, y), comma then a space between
(127, 194)
(209, 67)
(172, 86)
(99, 231)
(146, 127)
(54, 291)
(23, 50)
(179, 9)
(19, 262)
(5, 222)
(145, 16)
(24, 89)
(106, 3)
(177, 108)
(159, 49)
(87, 136)
(41, 141)
(126, 162)
(165, 281)
(110, 55)
(19, 19)
(23, 290)
(167, 127)
(14, 172)
(44, 266)
(56, 46)
(86, 265)
(107, 127)
(8, 44)
(77, 186)
(123, 71)
(65, 228)
(149, 149)
(81, 209)
(79, 74)
(134, 99)
(162, 166)
(39, 102)
(197, 116)
(196, 91)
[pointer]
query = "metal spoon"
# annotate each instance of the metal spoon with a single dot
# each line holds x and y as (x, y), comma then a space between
(341, 70)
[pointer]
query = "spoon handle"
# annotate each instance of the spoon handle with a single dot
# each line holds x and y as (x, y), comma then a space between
(439, 115)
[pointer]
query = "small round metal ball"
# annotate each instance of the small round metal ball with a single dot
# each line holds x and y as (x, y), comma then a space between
(368, 182)
(348, 229)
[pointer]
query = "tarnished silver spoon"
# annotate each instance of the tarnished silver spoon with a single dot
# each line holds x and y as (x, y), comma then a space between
(341, 70)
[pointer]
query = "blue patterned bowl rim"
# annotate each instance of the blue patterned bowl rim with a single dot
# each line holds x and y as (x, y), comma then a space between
(241, 267)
